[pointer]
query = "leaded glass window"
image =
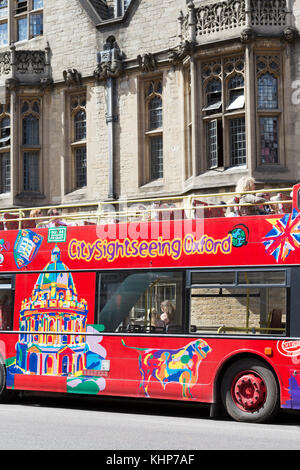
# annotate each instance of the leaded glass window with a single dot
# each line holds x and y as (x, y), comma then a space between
(5, 172)
(268, 69)
(29, 19)
(79, 149)
(5, 165)
(5, 131)
(31, 171)
(3, 9)
(81, 167)
(30, 146)
(156, 157)
(22, 29)
(223, 112)
(36, 24)
(155, 113)
(236, 94)
(80, 125)
(267, 92)
(154, 129)
(212, 143)
(269, 140)
(213, 96)
(31, 130)
(237, 141)
(3, 34)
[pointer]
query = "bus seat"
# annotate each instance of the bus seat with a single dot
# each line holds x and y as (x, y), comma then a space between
(200, 209)
(275, 319)
(28, 224)
(207, 212)
(281, 208)
(285, 208)
(8, 221)
(216, 212)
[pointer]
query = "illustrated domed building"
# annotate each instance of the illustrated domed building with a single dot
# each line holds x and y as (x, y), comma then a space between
(55, 310)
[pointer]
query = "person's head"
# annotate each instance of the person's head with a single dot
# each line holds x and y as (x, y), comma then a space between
(246, 183)
(34, 213)
(168, 311)
(53, 212)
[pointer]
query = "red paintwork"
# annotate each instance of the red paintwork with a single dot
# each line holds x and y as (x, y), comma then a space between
(82, 251)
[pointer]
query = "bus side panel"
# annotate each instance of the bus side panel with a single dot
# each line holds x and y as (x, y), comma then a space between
(185, 368)
(52, 319)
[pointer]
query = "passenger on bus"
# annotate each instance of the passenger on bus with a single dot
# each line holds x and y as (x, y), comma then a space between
(36, 214)
(246, 184)
(168, 314)
(154, 317)
(56, 219)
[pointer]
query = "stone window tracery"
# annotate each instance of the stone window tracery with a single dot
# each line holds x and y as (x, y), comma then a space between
(268, 107)
(30, 144)
(154, 128)
(5, 164)
(223, 112)
(79, 149)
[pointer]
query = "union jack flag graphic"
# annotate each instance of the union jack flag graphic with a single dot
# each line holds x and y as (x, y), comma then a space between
(284, 236)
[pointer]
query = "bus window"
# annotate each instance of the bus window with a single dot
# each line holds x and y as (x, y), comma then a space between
(243, 308)
(6, 304)
(143, 302)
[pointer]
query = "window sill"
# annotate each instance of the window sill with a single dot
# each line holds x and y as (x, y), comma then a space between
(153, 184)
(30, 195)
(267, 168)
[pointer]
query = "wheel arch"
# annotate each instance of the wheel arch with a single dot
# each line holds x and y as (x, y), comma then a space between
(231, 360)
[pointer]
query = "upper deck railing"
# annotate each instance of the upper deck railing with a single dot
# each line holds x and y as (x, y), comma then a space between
(194, 206)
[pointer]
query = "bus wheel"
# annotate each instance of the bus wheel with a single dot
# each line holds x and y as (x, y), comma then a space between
(249, 391)
(4, 393)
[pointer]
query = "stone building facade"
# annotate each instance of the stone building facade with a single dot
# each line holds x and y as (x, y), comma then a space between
(108, 99)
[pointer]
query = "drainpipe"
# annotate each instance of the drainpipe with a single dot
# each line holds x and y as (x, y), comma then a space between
(108, 69)
(110, 127)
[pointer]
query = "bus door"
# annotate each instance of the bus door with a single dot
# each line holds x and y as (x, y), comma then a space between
(6, 302)
(7, 290)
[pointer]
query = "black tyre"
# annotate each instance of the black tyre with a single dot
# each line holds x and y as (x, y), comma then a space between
(249, 391)
(4, 393)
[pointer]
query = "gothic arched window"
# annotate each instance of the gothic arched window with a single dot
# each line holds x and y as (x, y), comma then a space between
(79, 151)
(31, 148)
(154, 129)
(268, 107)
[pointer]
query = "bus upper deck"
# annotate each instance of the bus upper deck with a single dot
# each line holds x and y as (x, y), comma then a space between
(204, 206)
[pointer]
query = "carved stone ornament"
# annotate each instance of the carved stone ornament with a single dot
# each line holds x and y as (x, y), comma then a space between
(72, 77)
(12, 84)
(4, 63)
(290, 34)
(179, 53)
(109, 61)
(147, 62)
(46, 83)
(247, 35)
(30, 62)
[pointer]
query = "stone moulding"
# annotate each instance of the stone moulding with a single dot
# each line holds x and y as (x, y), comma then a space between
(229, 15)
(220, 16)
(25, 66)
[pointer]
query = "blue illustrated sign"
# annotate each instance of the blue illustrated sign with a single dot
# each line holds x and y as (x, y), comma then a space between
(26, 246)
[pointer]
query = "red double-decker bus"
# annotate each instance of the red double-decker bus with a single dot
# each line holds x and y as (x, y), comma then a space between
(193, 309)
